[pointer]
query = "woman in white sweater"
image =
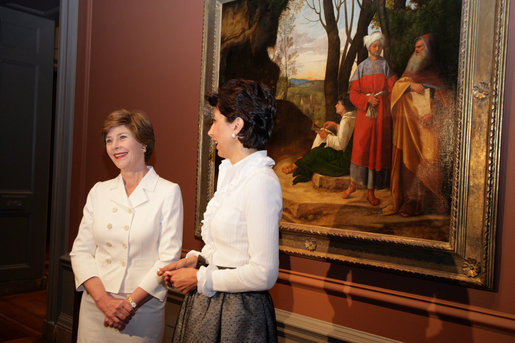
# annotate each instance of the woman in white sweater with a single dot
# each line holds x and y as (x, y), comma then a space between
(132, 225)
(227, 282)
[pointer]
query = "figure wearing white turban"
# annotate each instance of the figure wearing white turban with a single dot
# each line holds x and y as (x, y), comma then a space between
(370, 89)
(372, 38)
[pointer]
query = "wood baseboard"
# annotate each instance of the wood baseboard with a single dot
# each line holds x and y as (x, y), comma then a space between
(292, 327)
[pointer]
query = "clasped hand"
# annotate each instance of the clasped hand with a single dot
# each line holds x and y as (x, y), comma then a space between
(426, 120)
(417, 87)
(328, 125)
(118, 312)
(181, 275)
(372, 100)
(322, 133)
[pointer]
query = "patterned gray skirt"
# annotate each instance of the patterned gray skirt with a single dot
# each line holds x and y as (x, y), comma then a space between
(226, 317)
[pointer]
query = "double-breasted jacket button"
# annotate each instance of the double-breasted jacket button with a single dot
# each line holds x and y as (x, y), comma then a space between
(108, 260)
(126, 227)
(109, 226)
(109, 244)
(115, 209)
(129, 210)
(124, 263)
(124, 245)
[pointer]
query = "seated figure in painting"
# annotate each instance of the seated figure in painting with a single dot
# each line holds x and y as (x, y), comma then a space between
(330, 153)
(419, 107)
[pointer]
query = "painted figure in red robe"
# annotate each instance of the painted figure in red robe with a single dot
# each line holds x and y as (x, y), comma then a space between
(371, 86)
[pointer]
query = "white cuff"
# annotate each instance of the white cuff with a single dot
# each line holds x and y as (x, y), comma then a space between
(192, 253)
(205, 280)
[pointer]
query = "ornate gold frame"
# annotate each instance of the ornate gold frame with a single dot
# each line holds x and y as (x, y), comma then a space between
(468, 258)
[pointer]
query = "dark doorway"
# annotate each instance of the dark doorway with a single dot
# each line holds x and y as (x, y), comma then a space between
(27, 93)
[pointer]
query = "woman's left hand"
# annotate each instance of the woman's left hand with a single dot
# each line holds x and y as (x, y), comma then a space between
(184, 279)
(109, 323)
(189, 262)
(119, 316)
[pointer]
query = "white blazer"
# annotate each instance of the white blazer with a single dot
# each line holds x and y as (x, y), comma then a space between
(124, 240)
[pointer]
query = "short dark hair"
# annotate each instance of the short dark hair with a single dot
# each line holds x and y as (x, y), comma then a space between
(137, 122)
(254, 103)
(349, 106)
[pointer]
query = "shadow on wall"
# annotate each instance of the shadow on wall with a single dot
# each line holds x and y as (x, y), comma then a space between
(404, 321)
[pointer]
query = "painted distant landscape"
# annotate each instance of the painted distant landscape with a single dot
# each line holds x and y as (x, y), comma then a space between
(308, 96)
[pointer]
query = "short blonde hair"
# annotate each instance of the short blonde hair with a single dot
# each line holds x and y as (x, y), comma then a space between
(137, 122)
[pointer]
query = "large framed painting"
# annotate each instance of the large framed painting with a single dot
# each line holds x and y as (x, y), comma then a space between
(411, 185)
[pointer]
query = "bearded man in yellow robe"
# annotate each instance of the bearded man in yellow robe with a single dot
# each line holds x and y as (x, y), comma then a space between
(418, 103)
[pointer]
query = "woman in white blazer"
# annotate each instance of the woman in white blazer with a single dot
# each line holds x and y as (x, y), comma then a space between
(132, 225)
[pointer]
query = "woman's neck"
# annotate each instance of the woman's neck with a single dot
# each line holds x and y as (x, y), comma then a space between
(132, 178)
(240, 154)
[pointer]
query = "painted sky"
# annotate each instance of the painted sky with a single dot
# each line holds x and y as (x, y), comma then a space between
(310, 41)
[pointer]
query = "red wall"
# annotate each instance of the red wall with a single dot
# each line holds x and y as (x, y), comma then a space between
(147, 55)
(138, 55)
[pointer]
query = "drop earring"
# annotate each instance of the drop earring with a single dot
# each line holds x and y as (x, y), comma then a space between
(144, 149)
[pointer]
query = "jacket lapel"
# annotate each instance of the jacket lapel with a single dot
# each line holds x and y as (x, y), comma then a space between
(139, 195)
(118, 194)
(146, 185)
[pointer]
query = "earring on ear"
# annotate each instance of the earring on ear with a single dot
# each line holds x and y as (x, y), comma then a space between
(233, 135)
(144, 149)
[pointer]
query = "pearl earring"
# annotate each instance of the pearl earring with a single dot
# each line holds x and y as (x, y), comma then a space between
(233, 135)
